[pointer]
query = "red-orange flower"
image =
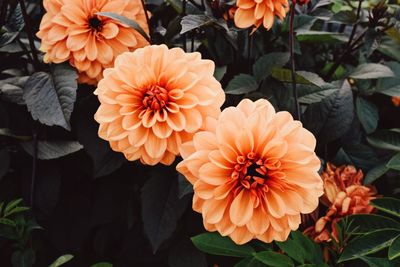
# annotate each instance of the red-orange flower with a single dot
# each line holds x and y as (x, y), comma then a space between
(253, 172)
(344, 195)
(154, 99)
(257, 12)
(396, 101)
(71, 31)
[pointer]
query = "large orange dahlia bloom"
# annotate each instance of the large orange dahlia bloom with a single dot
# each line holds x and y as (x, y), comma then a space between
(71, 31)
(253, 172)
(257, 12)
(154, 99)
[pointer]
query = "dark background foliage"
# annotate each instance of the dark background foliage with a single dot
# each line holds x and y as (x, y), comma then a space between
(92, 203)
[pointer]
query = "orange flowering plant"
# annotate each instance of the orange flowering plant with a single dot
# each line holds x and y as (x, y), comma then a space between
(199, 132)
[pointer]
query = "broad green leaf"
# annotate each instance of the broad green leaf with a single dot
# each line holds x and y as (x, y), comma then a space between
(264, 65)
(191, 22)
(371, 71)
(61, 260)
(394, 162)
(366, 223)
(368, 244)
(360, 155)
(293, 249)
(375, 173)
(367, 114)
(394, 249)
(313, 252)
(385, 139)
(274, 259)
(219, 72)
(390, 86)
(320, 37)
(213, 243)
(389, 48)
(379, 262)
(345, 17)
(11, 89)
(285, 75)
(241, 84)
(387, 204)
(52, 149)
(124, 20)
(50, 98)
(315, 96)
(17, 210)
(249, 262)
(11, 205)
(102, 264)
(8, 222)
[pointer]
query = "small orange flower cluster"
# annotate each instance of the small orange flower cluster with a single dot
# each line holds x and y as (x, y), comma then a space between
(344, 195)
(396, 101)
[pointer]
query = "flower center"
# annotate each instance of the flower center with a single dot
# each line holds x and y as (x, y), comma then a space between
(155, 98)
(95, 24)
(250, 171)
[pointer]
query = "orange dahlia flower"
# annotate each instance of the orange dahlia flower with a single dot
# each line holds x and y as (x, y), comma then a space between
(71, 31)
(257, 12)
(253, 172)
(396, 101)
(344, 195)
(154, 99)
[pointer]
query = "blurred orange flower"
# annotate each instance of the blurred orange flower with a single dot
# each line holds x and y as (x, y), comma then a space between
(344, 195)
(154, 99)
(253, 172)
(396, 101)
(71, 31)
(257, 12)
(230, 14)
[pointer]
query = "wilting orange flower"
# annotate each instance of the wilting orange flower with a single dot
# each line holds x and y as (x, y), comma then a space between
(344, 195)
(253, 172)
(71, 31)
(396, 101)
(154, 99)
(257, 12)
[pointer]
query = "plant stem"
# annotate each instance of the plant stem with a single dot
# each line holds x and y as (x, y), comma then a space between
(249, 49)
(184, 35)
(349, 45)
(147, 20)
(34, 163)
(31, 38)
(292, 61)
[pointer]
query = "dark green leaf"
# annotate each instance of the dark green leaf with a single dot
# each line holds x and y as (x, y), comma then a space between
(219, 72)
(12, 205)
(345, 16)
(191, 22)
(13, 26)
(249, 262)
(264, 65)
(385, 139)
(52, 149)
(102, 264)
(375, 173)
(161, 207)
(320, 37)
(185, 187)
(11, 89)
(241, 84)
(368, 244)
(366, 223)
(323, 118)
(184, 254)
(313, 94)
(50, 97)
(293, 249)
(8, 222)
(61, 260)
(128, 22)
(388, 205)
(394, 249)
(390, 86)
(394, 162)
(274, 259)
(360, 155)
(367, 114)
(213, 243)
(371, 71)
(313, 252)
(380, 262)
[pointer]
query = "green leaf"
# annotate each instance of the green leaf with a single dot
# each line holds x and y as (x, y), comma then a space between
(11, 205)
(368, 244)
(388, 205)
(375, 173)
(323, 118)
(293, 249)
(359, 224)
(161, 208)
(8, 222)
(285, 75)
(25, 258)
(185, 187)
(313, 252)
(50, 97)
(394, 162)
(378, 262)
(371, 71)
(385, 139)
(17, 210)
(390, 86)
(102, 264)
(345, 17)
(315, 95)
(320, 37)
(241, 84)
(274, 259)
(249, 262)
(191, 22)
(219, 72)
(128, 22)
(367, 114)
(213, 243)
(394, 249)
(264, 65)
(183, 253)
(52, 149)
(61, 260)
(11, 89)
(14, 25)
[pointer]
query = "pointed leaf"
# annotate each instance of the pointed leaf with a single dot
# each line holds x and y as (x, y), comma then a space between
(388, 205)
(264, 65)
(394, 162)
(52, 149)
(385, 139)
(274, 259)
(61, 260)
(367, 114)
(371, 71)
(241, 84)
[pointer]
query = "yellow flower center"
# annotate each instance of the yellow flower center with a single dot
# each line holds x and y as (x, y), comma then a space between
(155, 98)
